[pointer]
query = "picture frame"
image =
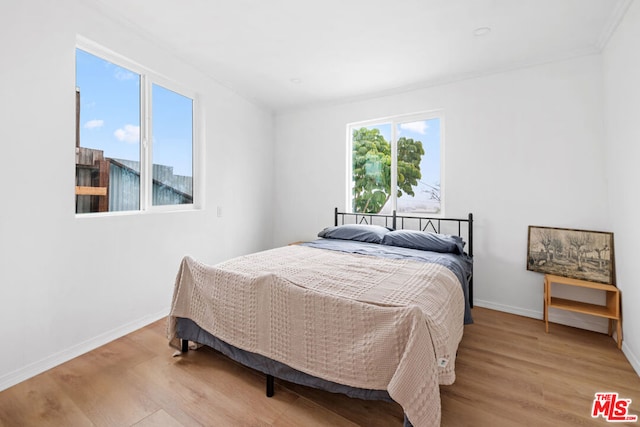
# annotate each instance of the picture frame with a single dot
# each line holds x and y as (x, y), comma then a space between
(578, 254)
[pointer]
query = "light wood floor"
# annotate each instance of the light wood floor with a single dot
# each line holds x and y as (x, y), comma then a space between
(509, 373)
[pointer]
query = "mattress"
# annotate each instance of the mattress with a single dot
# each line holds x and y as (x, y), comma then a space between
(387, 323)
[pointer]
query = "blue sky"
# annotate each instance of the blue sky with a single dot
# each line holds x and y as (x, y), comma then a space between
(110, 115)
(428, 132)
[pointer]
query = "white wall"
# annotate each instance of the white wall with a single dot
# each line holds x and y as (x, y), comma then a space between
(69, 284)
(622, 141)
(523, 147)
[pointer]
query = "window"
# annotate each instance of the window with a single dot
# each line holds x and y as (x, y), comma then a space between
(172, 147)
(134, 136)
(395, 164)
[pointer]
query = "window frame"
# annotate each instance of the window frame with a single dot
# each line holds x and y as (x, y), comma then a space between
(394, 121)
(148, 78)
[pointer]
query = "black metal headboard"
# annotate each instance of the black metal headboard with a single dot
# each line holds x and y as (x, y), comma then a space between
(462, 227)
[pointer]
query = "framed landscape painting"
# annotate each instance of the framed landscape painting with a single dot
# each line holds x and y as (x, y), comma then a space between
(579, 254)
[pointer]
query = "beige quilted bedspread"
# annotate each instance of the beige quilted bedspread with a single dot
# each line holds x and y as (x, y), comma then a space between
(357, 320)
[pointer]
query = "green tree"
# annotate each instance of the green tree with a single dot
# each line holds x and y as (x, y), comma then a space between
(372, 169)
(410, 154)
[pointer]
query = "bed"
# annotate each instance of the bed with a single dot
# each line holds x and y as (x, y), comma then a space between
(374, 309)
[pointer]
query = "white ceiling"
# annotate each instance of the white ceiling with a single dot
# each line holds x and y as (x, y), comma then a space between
(285, 54)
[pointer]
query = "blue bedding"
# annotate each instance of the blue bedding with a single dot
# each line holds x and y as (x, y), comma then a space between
(460, 265)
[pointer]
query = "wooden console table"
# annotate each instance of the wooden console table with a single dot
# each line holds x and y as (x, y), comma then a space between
(610, 311)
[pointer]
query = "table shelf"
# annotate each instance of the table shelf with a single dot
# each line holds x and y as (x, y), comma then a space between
(611, 310)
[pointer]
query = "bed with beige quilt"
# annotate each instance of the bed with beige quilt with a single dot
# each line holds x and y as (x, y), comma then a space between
(365, 310)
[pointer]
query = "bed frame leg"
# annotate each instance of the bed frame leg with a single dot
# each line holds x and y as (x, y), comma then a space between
(269, 385)
(184, 345)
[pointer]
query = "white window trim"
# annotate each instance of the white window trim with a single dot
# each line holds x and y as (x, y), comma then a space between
(394, 121)
(149, 77)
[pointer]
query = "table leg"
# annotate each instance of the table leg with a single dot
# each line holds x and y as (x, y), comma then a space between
(546, 305)
(619, 333)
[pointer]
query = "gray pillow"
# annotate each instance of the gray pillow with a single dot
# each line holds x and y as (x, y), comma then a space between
(359, 232)
(424, 241)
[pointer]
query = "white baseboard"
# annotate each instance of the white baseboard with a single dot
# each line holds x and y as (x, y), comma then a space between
(509, 309)
(563, 317)
(35, 368)
(633, 359)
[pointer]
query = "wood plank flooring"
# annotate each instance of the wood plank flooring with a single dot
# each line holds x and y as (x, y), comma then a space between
(509, 373)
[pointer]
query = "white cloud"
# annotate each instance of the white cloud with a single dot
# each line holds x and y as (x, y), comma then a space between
(92, 124)
(419, 127)
(122, 74)
(129, 133)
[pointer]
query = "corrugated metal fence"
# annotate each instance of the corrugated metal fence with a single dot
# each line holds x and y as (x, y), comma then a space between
(124, 186)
